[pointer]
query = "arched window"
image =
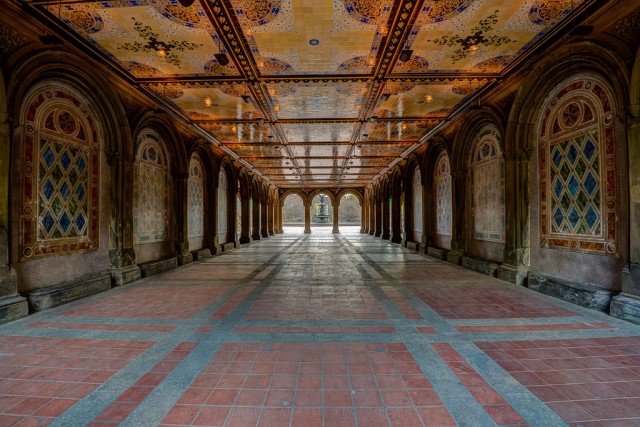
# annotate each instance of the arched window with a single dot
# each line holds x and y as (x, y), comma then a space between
(578, 190)
(150, 197)
(443, 195)
(195, 202)
(60, 176)
(223, 191)
(487, 171)
(416, 207)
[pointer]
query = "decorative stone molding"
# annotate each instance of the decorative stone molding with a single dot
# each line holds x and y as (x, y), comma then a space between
(10, 39)
(584, 294)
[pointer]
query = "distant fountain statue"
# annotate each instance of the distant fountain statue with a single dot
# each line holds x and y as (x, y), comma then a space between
(322, 217)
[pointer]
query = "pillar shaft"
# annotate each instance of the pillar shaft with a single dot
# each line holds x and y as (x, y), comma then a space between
(181, 212)
(336, 218)
(245, 226)
(307, 218)
(255, 232)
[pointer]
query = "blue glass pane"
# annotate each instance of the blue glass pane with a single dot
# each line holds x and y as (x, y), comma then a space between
(65, 191)
(48, 221)
(65, 222)
(591, 217)
(572, 154)
(590, 183)
(589, 149)
(65, 160)
(556, 156)
(48, 189)
(558, 217)
(81, 163)
(80, 222)
(80, 193)
(573, 185)
(48, 156)
(574, 217)
(558, 187)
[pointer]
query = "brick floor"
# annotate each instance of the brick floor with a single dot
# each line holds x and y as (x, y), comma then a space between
(320, 330)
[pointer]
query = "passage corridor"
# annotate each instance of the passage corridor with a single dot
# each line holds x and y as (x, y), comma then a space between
(311, 330)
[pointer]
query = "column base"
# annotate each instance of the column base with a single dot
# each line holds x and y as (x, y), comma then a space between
(66, 292)
(201, 254)
(13, 307)
(511, 274)
(385, 236)
(626, 307)
(245, 240)
(454, 257)
(124, 275)
(184, 258)
(265, 235)
(154, 267)
(584, 294)
(480, 265)
(335, 231)
(256, 237)
(307, 231)
(631, 279)
(396, 239)
(437, 253)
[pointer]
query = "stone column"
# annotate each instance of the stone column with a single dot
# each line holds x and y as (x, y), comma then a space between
(307, 217)
(245, 226)
(386, 211)
(372, 216)
(626, 305)
(270, 223)
(515, 267)
(377, 232)
(122, 259)
(255, 232)
(363, 219)
(12, 305)
(336, 218)
(458, 239)
(396, 227)
(181, 212)
(264, 219)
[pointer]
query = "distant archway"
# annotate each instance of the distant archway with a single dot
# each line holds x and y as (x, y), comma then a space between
(322, 212)
(293, 211)
(350, 209)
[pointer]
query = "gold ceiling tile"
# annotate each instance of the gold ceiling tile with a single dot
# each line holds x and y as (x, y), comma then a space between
(327, 100)
(220, 102)
(394, 131)
(319, 150)
(318, 132)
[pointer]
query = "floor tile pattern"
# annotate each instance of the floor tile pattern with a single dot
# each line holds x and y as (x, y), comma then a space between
(319, 330)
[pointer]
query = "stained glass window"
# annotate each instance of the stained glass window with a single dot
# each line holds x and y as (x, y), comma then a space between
(60, 181)
(443, 195)
(487, 169)
(195, 195)
(150, 190)
(578, 199)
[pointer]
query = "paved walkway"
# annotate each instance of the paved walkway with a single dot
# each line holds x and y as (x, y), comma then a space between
(340, 330)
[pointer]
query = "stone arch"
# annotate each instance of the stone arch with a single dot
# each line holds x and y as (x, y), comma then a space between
(289, 192)
(171, 138)
(350, 191)
(443, 203)
(630, 278)
(586, 63)
(62, 181)
(196, 202)
(480, 162)
(314, 193)
(223, 189)
(37, 72)
(414, 196)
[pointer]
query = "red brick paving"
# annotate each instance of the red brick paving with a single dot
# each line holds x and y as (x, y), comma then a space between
(491, 401)
(232, 303)
(489, 302)
(101, 327)
(40, 378)
(401, 302)
(317, 329)
(129, 400)
(317, 302)
(535, 328)
(345, 383)
(159, 302)
(590, 381)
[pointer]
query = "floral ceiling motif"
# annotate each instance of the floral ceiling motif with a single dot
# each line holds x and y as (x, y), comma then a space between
(329, 91)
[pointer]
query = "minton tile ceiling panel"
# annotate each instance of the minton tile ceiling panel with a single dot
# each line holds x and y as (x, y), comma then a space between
(307, 162)
(313, 37)
(394, 131)
(435, 100)
(240, 133)
(219, 102)
(148, 38)
(381, 150)
(252, 150)
(318, 132)
(318, 150)
(479, 35)
(328, 100)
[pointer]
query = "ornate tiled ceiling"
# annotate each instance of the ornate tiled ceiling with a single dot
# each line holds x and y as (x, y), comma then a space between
(316, 92)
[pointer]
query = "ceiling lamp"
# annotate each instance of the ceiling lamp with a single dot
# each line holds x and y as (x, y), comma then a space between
(406, 55)
(428, 98)
(207, 101)
(222, 59)
(161, 49)
(185, 3)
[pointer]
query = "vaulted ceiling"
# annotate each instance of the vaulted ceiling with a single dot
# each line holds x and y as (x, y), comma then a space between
(317, 93)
